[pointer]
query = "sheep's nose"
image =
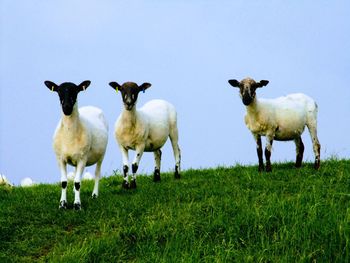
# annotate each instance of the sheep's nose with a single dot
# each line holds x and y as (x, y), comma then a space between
(67, 110)
(246, 99)
(129, 106)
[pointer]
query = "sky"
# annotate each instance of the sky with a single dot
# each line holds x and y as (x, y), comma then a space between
(187, 50)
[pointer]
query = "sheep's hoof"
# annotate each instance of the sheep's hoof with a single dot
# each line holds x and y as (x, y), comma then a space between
(63, 205)
(297, 165)
(268, 168)
(94, 196)
(125, 185)
(177, 174)
(133, 184)
(156, 175)
(261, 168)
(317, 164)
(77, 206)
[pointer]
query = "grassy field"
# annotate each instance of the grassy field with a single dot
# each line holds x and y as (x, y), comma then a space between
(229, 214)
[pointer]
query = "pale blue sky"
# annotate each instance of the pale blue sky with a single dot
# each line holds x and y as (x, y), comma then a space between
(187, 50)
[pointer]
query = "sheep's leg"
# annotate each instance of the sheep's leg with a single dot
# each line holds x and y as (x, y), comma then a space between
(135, 164)
(268, 149)
(97, 178)
(312, 126)
(259, 151)
(63, 200)
(157, 159)
(300, 151)
(125, 157)
(174, 138)
(77, 179)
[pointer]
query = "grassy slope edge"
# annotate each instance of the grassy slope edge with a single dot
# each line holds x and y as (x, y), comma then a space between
(220, 215)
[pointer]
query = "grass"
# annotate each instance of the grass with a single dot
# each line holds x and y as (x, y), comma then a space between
(230, 214)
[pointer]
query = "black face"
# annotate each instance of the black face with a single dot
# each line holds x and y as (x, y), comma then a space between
(247, 88)
(68, 93)
(247, 92)
(129, 92)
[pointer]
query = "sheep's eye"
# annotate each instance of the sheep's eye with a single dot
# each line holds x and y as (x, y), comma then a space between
(133, 96)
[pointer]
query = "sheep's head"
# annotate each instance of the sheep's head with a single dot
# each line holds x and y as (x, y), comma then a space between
(68, 93)
(129, 92)
(247, 88)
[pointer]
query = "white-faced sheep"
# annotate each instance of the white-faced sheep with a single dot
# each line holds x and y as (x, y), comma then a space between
(80, 138)
(281, 119)
(144, 130)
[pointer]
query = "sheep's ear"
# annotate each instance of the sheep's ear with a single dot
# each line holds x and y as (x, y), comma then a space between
(84, 85)
(234, 83)
(145, 86)
(52, 86)
(115, 85)
(262, 83)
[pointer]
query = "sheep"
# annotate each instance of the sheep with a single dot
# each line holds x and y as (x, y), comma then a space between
(27, 182)
(80, 138)
(281, 119)
(144, 130)
(4, 181)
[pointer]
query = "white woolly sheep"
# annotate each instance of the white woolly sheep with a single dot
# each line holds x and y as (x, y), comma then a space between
(144, 130)
(80, 138)
(281, 119)
(27, 182)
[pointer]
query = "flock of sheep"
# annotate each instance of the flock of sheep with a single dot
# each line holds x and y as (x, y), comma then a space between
(81, 135)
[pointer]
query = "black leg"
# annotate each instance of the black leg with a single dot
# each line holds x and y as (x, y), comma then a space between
(156, 175)
(177, 174)
(77, 186)
(259, 151)
(133, 180)
(300, 152)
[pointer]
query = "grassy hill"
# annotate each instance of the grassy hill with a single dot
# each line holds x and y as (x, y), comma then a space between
(216, 215)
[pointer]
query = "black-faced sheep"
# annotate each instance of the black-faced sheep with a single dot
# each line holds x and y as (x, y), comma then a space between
(281, 119)
(80, 138)
(144, 130)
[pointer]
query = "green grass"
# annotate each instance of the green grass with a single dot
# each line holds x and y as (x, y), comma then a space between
(216, 215)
